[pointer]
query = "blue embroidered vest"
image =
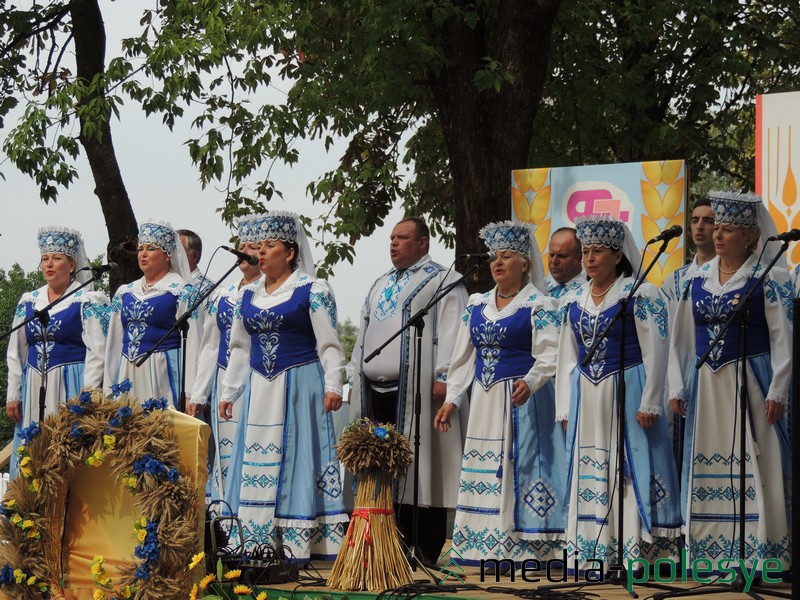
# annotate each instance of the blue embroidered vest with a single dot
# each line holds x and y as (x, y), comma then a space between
(145, 321)
(710, 313)
(64, 342)
(606, 360)
(503, 346)
(282, 336)
(224, 322)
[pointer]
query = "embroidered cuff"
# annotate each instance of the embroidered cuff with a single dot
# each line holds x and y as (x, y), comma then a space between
(454, 400)
(651, 410)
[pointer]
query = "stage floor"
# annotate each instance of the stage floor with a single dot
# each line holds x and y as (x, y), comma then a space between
(473, 588)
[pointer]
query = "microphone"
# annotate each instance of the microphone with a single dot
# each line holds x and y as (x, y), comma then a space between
(100, 269)
(250, 260)
(667, 234)
(792, 235)
(480, 256)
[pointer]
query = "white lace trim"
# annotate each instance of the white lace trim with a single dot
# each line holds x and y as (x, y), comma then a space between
(333, 390)
(528, 297)
(710, 273)
(784, 400)
(651, 410)
(562, 417)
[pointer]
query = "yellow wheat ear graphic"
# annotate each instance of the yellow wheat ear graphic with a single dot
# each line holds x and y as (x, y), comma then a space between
(660, 207)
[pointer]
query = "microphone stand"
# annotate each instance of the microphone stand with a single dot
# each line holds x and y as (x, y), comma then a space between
(417, 321)
(741, 311)
(182, 324)
(618, 575)
(43, 316)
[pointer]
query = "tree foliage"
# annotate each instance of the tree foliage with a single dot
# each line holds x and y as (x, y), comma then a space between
(432, 101)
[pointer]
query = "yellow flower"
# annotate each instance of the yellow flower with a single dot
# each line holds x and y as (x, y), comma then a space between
(109, 441)
(25, 460)
(207, 580)
(99, 595)
(34, 486)
(21, 450)
(16, 518)
(193, 593)
(242, 590)
(233, 574)
(196, 560)
(27, 524)
(96, 459)
(130, 481)
(19, 575)
(127, 591)
(142, 522)
(31, 580)
(26, 472)
(11, 504)
(33, 535)
(262, 596)
(141, 534)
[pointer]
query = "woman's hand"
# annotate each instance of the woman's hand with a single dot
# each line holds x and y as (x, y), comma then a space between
(678, 406)
(646, 419)
(520, 392)
(14, 410)
(772, 408)
(226, 410)
(194, 410)
(441, 422)
(332, 401)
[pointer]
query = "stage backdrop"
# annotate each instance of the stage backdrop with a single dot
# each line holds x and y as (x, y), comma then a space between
(777, 135)
(648, 196)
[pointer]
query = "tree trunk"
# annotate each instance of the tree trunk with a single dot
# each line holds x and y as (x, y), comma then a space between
(496, 138)
(90, 47)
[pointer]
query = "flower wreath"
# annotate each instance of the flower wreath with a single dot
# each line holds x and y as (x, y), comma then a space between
(139, 446)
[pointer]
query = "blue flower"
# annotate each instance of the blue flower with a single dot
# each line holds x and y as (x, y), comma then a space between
(172, 474)
(143, 571)
(85, 397)
(76, 409)
(113, 422)
(153, 404)
(123, 387)
(124, 412)
(76, 431)
(30, 432)
(381, 432)
(6, 574)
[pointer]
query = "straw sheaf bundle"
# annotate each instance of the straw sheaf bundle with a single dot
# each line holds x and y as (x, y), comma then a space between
(371, 557)
(369, 446)
(139, 447)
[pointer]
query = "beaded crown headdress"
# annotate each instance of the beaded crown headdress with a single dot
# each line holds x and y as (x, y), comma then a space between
(507, 235)
(600, 230)
(740, 210)
(59, 239)
(270, 226)
(160, 234)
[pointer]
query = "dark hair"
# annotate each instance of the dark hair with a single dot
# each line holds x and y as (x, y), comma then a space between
(624, 266)
(574, 235)
(701, 202)
(420, 226)
(193, 240)
(296, 258)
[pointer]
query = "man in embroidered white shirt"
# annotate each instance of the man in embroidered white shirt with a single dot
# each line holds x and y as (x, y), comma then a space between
(566, 270)
(384, 387)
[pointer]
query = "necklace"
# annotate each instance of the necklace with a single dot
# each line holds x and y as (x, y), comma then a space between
(146, 287)
(723, 271)
(603, 293)
(508, 296)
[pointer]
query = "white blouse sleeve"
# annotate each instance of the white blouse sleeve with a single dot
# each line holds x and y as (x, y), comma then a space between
(682, 344)
(209, 351)
(17, 353)
(778, 313)
(545, 327)
(323, 321)
(566, 363)
(94, 317)
(449, 312)
(652, 327)
(187, 298)
(462, 362)
(238, 370)
(114, 342)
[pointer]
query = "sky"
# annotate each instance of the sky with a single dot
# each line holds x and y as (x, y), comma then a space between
(163, 184)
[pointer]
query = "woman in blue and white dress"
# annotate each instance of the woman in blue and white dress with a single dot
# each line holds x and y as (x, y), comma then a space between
(76, 333)
(142, 312)
(708, 397)
(283, 477)
(214, 355)
(511, 493)
(587, 406)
